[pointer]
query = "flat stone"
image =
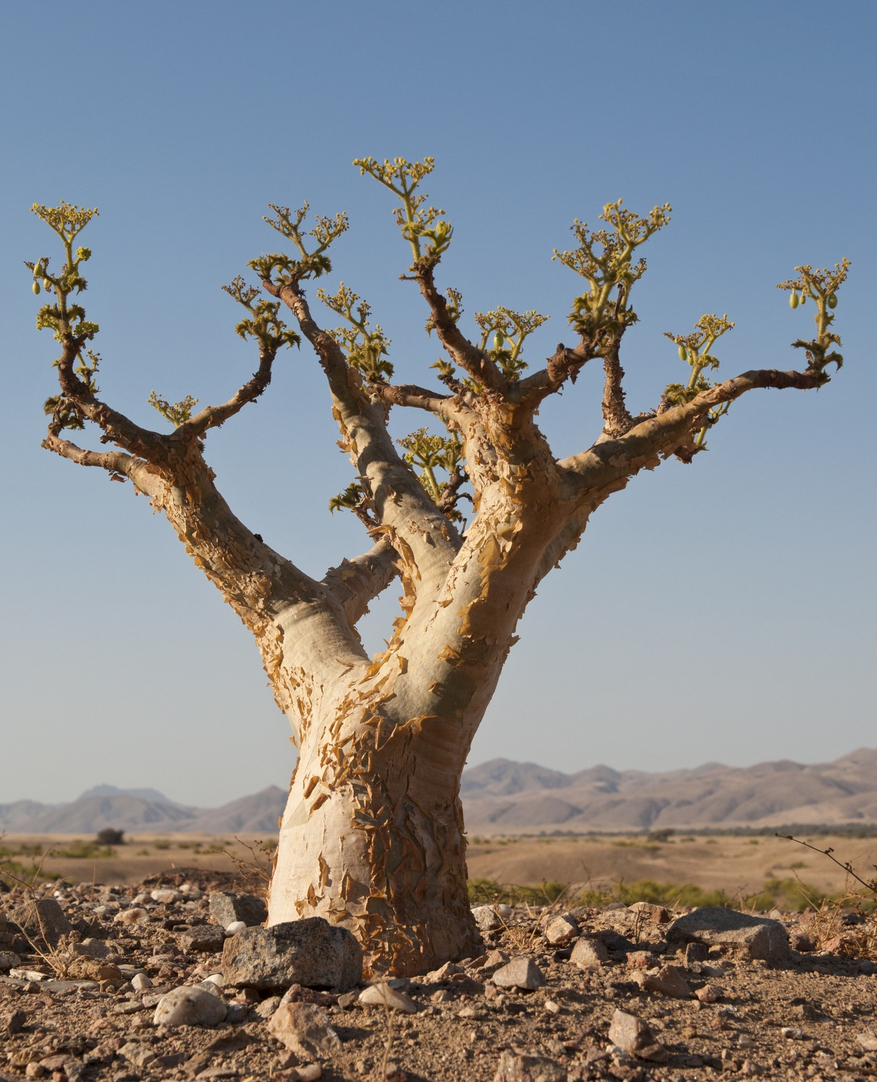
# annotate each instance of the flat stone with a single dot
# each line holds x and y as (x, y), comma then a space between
(634, 1036)
(304, 1029)
(520, 973)
(383, 995)
(205, 937)
(228, 909)
(589, 953)
(187, 1006)
(868, 1041)
(751, 937)
(515, 1067)
(94, 969)
(310, 952)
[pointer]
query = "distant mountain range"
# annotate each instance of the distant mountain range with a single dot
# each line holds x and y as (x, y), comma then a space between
(505, 797)
(143, 811)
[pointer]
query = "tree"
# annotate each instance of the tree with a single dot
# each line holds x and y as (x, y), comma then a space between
(372, 836)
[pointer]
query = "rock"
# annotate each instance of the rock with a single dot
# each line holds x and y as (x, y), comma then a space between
(228, 909)
(515, 1067)
(589, 953)
(868, 1041)
(309, 952)
(634, 1036)
(520, 973)
(14, 1023)
(655, 914)
(751, 937)
(641, 960)
(93, 969)
(42, 919)
(443, 973)
(235, 927)
(709, 994)
(267, 1007)
(297, 994)
(382, 995)
(165, 897)
(140, 982)
(8, 960)
(186, 1006)
(561, 930)
(486, 917)
(309, 1072)
(802, 941)
(205, 937)
(668, 981)
(305, 1030)
(135, 915)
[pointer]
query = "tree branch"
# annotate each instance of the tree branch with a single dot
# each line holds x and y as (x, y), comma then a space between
(409, 394)
(564, 364)
(117, 463)
(355, 583)
(464, 353)
(671, 432)
(117, 428)
(214, 416)
(427, 540)
(616, 417)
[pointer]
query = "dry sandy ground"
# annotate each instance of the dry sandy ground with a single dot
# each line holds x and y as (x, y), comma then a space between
(737, 865)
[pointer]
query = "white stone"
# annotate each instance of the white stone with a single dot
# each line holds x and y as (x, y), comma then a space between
(310, 1072)
(187, 1006)
(382, 995)
(235, 927)
(140, 982)
(165, 896)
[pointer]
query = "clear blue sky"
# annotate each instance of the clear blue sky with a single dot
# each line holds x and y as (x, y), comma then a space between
(721, 611)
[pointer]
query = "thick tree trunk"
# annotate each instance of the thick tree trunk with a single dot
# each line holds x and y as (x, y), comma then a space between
(372, 837)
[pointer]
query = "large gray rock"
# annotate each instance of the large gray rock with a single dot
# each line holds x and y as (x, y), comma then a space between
(226, 908)
(739, 933)
(310, 952)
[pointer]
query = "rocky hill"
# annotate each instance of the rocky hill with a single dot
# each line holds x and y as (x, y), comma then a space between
(505, 797)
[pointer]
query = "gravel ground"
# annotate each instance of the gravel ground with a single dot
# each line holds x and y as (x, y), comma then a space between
(82, 1007)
